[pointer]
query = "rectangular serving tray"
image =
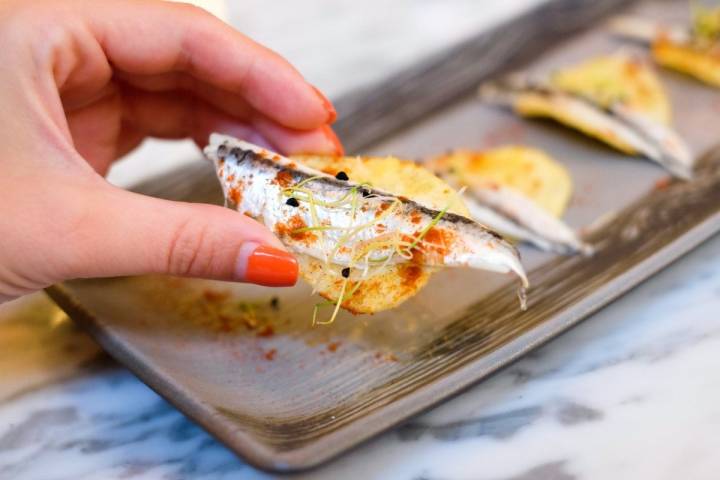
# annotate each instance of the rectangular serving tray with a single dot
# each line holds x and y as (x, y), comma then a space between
(246, 364)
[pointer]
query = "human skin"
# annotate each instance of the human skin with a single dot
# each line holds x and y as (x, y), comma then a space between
(82, 83)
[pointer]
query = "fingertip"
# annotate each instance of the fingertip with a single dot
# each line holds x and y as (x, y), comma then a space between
(266, 265)
(319, 141)
(333, 139)
(327, 105)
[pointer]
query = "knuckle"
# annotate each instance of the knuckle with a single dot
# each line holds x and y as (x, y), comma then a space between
(193, 10)
(13, 285)
(186, 251)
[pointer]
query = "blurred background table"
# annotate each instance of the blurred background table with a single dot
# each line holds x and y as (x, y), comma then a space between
(631, 393)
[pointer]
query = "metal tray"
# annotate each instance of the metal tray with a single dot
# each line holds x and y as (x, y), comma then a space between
(245, 363)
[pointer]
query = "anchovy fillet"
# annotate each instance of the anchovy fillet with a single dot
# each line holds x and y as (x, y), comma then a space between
(651, 139)
(346, 223)
(511, 213)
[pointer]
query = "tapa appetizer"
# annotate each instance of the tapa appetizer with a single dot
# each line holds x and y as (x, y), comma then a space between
(693, 50)
(368, 232)
(518, 191)
(616, 99)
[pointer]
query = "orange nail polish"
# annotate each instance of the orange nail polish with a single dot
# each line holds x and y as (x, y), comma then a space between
(339, 150)
(332, 114)
(271, 267)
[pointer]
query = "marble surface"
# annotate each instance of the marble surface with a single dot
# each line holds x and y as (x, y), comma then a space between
(633, 392)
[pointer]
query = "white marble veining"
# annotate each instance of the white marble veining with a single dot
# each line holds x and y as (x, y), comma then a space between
(632, 393)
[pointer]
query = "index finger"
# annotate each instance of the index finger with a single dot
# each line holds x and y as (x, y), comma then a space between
(145, 37)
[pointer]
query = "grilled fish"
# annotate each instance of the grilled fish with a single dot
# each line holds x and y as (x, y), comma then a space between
(690, 50)
(511, 213)
(344, 223)
(614, 120)
(526, 211)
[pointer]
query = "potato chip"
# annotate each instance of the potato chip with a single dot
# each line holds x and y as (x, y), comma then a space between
(533, 105)
(701, 63)
(617, 78)
(526, 170)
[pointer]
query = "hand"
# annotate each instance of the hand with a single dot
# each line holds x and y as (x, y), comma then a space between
(82, 83)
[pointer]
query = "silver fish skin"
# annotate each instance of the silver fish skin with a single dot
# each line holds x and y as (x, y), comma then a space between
(259, 183)
(652, 139)
(511, 213)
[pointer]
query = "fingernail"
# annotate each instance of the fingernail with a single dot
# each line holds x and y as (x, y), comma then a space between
(330, 135)
(265, 265)
(332, 114)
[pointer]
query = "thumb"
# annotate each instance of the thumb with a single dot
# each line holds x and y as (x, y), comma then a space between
(133, 234)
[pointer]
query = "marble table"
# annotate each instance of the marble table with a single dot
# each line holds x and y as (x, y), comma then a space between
(633, 392)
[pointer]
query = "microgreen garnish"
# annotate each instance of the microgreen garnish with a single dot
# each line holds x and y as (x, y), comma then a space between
(427, 228)
(375, 252)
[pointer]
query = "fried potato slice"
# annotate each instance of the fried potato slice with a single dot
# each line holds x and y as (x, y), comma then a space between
(696, 61)
(527, 170)
(533, 105)
(617, 78)
(606, 80)
(394, 284)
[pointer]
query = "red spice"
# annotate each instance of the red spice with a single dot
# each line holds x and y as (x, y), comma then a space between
(283, 178)
(415, 217)
(235, 194)
(418, 257)
(266, 331)
(410, 274)
(289, 229)
(214, 295)
(270, 354)
(330, 171)
(225, 323)
(381, 209)
(332, 347)
(433, 236)
(438, 240)
(231, 177)
(663, 183)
